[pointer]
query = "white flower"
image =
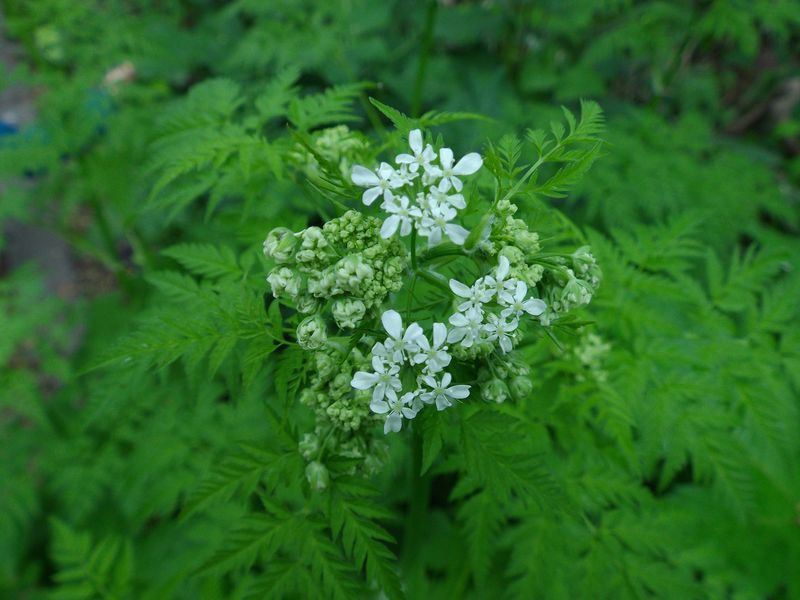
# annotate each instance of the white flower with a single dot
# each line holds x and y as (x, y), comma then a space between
(516, 304)
(407, 406)
(377, 183)
(434, 355)
(399, 340)
(498, 329)
(384, 379)
(440, 195)
(403, 215)
(468, 165)
(422, 157)
(440, 393)
(500, 281)
(437, 221)
(475, 296)
(403, 176)
(466, 327)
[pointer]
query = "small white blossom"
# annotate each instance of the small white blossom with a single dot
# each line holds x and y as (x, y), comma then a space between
(400, 341)
(403, 215)
(422, 156)
(475, 296)
(384, 379)
(378, 183)
(516, 304)
(440, 393)
(466, 328)
(468, 165)
(436, 223)
(440, 195)
(434, 355)
(406, 406)
(498, 329)
(500, 281)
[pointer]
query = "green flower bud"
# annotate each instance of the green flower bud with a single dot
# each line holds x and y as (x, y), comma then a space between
(528, 241)
(317, 476)
(521, 387)
(306, 304)
(495, 391)
(284, 282)
(348, 312)
(309, 445)
(322, 285)
(308, 397)
(312, 333)
(280, 244)
(351, 272)
(326, 365)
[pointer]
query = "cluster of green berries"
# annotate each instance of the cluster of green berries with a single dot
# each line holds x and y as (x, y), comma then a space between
(342, 270)
(342, 415)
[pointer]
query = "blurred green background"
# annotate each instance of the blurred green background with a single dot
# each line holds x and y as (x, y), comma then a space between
(693, 213)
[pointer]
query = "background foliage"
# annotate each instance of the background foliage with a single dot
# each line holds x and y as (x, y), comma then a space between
(157, 457)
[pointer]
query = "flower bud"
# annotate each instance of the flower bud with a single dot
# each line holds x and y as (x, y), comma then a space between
(351, 271)
(309, 445)
(521, 387)
(348, 312)
(280, 244)
(325, 364)
(284, 282)
(312, 333)
(306, 304)
(495, 391)
(317, 476)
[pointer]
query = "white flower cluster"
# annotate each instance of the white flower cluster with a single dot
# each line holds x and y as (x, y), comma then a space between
(431, 179)
(474, 325)
(408, 346)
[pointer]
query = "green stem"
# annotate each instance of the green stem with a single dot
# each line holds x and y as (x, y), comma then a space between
(414, 248)
(425, 50)
(419, 488)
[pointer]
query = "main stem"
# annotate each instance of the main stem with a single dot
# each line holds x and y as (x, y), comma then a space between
(419, 490)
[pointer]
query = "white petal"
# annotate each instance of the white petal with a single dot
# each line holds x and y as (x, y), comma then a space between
(442, 402)
(389, 226)
(394, 422)
(459, 289)
(363, 380)
(446, 379)
(380, 407)
(385, 171)
(534, 306)
(468, 164)
(457, 183)
(503, 267)
(446, 157)
(458, 391)
(459, 320)
(456, 335)
(368, 197)
(363, 176)
(415, 140)
(505, 343)
(429, 380)
(408, 413)
(456, 233)
(413, 333)
(434, 237)
(393, 323)
(405, 228)
(403, 159)
(439, 334)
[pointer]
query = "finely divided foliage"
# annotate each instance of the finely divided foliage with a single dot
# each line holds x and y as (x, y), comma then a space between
(373, 360)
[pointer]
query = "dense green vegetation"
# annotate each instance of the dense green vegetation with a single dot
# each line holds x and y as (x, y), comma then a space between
(151, 427)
